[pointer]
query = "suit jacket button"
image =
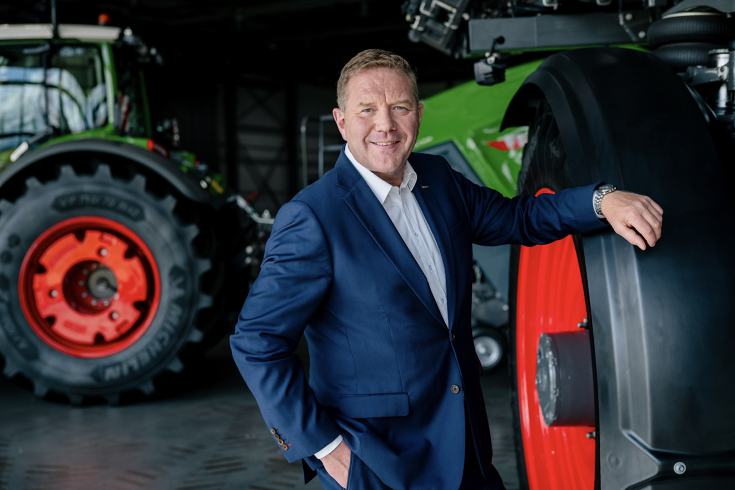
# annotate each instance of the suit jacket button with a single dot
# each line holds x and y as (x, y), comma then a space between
(273, 431)
(453, 336)
(280, 441)
(284, 447)
(455, 389)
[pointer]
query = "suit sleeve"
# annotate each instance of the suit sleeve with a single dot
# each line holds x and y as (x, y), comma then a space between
(295, 276)
(527, 220)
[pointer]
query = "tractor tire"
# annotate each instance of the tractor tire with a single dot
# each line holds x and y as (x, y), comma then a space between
(99, 285)
(546, 285)
(651, 327)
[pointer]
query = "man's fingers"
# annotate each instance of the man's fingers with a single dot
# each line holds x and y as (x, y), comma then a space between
(646, 228)
(630, 235)
(653, 204)
(655, 223)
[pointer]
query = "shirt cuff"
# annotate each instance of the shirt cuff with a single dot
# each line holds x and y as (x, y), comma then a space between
(329, 448)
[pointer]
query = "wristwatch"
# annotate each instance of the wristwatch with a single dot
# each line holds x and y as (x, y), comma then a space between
(600, 192)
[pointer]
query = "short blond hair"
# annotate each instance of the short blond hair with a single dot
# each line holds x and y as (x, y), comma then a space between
(373, 58)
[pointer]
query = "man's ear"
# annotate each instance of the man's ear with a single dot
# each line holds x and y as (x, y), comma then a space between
(339, 118)
(421, 112)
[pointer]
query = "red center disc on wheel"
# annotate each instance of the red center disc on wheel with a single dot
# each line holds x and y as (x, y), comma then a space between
(550, 298)
(89, 287)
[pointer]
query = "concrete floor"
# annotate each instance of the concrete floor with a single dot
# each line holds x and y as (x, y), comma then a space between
(209, 434)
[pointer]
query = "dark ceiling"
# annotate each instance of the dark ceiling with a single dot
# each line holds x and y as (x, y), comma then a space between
(290, 40)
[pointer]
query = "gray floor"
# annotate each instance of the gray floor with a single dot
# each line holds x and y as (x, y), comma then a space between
(207, 435)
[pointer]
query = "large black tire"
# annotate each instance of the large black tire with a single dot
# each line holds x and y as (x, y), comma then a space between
(543, 164)
(71, 370)
(623, 117)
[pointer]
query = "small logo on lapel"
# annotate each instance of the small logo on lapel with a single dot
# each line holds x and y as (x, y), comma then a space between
(424, 186)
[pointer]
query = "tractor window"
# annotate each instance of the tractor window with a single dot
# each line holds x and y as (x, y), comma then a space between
(131, 105)
(73, 99)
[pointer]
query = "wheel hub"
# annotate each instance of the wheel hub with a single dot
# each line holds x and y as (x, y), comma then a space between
(89, 287)
(102, 283)
(564, 379)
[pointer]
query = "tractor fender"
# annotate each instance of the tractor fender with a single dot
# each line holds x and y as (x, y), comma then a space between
(659, 318)
(163, 167)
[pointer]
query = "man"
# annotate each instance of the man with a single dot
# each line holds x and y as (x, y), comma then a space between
(373, 263)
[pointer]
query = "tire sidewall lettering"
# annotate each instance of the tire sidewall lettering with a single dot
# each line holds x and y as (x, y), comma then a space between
(81, 200)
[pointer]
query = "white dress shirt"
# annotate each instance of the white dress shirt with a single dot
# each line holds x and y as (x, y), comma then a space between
(406, 215)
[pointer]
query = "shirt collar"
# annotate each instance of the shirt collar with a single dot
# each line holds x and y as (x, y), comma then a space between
(380, 187)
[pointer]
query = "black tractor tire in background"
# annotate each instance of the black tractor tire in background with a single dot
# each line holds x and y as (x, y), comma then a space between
(660, 321)
(111, 209)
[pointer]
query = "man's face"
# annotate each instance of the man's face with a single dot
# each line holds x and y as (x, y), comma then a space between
(380, 121)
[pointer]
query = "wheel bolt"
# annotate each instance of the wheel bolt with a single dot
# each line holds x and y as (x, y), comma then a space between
(94, 302)
(81, 283)
(103, 252)
(85, 271)
(53, 293)
(106, 303)
(114, 315)
(84, 295)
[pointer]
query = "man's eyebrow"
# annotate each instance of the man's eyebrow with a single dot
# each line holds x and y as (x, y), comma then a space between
(398, 102)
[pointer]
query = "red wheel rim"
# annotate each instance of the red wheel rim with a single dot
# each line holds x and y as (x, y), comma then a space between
(89, 287)
(550, 299)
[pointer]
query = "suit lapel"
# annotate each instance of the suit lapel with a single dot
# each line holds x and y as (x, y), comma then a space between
(437, 223)
(373, 217)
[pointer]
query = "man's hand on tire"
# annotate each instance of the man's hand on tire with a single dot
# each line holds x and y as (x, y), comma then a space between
(627, 213)
(337, 464)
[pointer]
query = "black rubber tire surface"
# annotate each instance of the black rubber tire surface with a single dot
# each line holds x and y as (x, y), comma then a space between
(171, 244)
(716, 29)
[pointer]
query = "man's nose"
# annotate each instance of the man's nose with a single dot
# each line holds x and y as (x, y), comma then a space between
(384, 122)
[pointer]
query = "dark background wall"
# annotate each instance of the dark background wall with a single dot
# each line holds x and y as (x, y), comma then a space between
(241, 76)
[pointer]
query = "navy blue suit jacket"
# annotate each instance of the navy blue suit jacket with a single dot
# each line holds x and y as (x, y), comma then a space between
(382, 359)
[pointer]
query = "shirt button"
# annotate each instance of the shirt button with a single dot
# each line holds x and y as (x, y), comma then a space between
(416, 234)
(431, 268)
(455, 389)
(442, 300)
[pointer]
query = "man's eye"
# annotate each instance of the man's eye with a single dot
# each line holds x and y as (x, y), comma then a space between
(401, 108)
(367, 110)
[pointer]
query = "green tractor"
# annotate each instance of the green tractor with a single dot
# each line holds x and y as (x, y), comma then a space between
(620, 360)
(121, 257)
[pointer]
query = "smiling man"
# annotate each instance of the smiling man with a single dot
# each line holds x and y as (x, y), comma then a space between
(373, 264)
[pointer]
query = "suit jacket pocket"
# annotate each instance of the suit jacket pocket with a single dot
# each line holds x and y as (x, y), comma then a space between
(374, 406)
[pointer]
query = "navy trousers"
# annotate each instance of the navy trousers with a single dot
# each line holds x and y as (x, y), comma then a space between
(472, 478)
